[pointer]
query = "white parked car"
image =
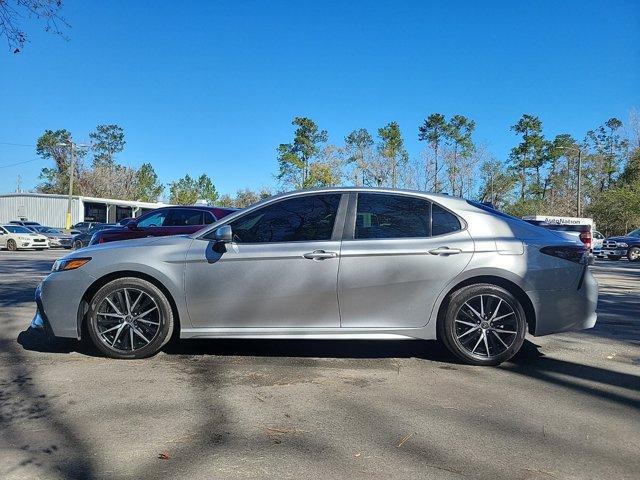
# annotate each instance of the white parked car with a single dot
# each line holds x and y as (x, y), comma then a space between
(17, 237)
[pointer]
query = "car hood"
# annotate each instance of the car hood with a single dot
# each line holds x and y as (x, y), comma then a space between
(58, 235)
(99, 248)
(625, 239)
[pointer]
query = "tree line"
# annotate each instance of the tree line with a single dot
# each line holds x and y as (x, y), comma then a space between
(540, 175)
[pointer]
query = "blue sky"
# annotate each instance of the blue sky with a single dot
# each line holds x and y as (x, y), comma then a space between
(212, 86)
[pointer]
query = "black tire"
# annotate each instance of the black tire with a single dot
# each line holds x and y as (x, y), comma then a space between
(77, 244)
(614, 257)
(501, 346)
(12, 246)
(160, 336)
(634, 254)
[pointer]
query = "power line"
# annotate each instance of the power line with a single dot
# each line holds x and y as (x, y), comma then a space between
(19, 163)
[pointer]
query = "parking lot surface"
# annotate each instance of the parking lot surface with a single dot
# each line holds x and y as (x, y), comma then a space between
(568, 406)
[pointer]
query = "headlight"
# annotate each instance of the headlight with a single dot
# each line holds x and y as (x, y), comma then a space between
(69, 264)
(622, 244)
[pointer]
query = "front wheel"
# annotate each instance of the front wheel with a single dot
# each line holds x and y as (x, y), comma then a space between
(129, 318)
(484, 325)
(12, 245)
(634, 254)
(77, 244)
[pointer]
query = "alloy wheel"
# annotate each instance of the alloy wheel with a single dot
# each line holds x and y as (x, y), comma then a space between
(128, 319)
(634, 254)
(486, 326)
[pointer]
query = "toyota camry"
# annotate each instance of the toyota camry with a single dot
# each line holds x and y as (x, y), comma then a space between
(341, 263)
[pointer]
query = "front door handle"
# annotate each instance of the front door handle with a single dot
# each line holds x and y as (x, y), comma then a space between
(445, 251)
(319, 255)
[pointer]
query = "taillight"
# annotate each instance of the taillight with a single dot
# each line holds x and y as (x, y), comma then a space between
(573, 253)
(585, 237)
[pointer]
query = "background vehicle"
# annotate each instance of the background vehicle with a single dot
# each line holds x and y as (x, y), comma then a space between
(164, 221)
(408, 268)
(25, 223)
(627, 245)
(16, 237)
(83, 239)
(582, 228)
(82, 227)
(57, 238)
(598, 241)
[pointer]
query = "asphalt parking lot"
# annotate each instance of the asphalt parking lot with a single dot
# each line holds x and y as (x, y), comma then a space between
(568, 406)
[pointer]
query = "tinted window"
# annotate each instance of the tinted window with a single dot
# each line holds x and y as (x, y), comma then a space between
(156, 219)
(209, 218)
(443, 221)
(391, 216)
(310, 217)
(183, 217)
(17, 229)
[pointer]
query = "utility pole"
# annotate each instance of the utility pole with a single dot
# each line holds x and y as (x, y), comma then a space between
(72, 171)
(579, 182)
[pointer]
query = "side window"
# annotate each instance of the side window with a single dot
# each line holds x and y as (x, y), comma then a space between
(305, 218)
(154, 220)
(443, 221)
(183, 217)
(391, 216)
(209, 218)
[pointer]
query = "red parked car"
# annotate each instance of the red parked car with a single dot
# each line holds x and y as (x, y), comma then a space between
(162, 222)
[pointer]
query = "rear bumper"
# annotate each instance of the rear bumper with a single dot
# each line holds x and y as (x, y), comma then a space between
(566, 309)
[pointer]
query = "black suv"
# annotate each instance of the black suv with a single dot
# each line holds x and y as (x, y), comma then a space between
(626, 246)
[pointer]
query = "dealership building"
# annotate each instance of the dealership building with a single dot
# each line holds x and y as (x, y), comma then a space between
(51, 210)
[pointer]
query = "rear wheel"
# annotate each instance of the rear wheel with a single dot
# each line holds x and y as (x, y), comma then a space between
(484, 325)
(12, 245)
(129, 318)
(614, 257)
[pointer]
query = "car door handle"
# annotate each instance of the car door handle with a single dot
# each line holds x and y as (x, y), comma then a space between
(445, 251)
(319, 255)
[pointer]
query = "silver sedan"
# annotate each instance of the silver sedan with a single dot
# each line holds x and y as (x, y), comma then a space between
(342, 263)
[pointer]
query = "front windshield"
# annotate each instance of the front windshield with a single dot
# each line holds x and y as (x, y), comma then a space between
(17, 229)
(634, 233)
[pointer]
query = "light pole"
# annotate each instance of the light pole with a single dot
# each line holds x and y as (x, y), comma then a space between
(72, 168)
(579, 150)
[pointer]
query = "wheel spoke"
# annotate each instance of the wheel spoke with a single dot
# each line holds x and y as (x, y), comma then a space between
(477, 343)
(465, 323)
(131, 337)
(127, 301)
(477, 314)
(502, 316)
(135, 302)
(144, 314)
(486, 343)
(503, 331)
(474, 329)
(115, 338)
(481, 307)
(110, 329)
(139, 333)
(493, 317)
(498, 337)
(147, 321)
(106, 314)
(113, 305)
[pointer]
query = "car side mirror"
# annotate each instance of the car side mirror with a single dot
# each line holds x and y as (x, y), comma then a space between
(132, 225)
(223, 234)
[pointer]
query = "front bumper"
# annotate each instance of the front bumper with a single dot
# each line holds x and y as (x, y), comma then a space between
(30, 243)
(566, 309)
(618, 252)
(58, 299)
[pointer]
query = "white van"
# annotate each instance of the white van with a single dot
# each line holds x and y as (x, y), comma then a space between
(582, 228)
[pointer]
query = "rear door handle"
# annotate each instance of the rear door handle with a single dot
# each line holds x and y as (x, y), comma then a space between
(445, 251)
(319, 255)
